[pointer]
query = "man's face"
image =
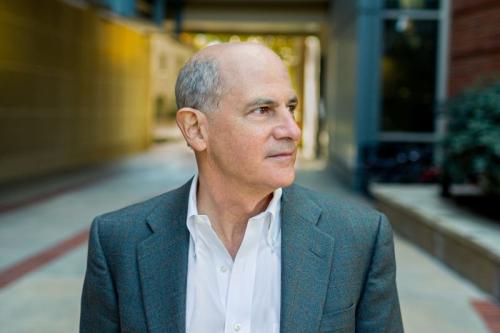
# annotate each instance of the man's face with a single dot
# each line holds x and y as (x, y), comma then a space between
(253, 136)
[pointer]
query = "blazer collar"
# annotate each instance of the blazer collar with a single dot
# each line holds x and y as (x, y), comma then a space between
(306, 259)
(162, 260)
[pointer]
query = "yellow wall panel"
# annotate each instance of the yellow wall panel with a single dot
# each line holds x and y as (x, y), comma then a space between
(74, 88)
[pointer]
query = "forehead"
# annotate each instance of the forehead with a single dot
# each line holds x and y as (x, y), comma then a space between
(253, 60)
(254, 78)
(259, 88)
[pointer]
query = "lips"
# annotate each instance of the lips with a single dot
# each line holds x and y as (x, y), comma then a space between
(282, 154)
(288, 153)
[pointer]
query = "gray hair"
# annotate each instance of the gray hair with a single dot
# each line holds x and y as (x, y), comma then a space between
(199, 85)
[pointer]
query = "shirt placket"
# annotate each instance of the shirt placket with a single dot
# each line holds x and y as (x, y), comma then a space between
(242, 280)
(223, 268)
(221, 260)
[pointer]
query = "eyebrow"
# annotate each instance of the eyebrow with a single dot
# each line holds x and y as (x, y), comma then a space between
(269, 101)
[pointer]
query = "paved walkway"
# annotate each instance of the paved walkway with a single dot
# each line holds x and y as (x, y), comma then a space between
(45, 261)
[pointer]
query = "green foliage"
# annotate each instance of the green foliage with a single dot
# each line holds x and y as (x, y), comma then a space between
(472, 142)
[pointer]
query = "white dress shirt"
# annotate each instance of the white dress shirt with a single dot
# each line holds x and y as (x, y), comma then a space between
(243, 295)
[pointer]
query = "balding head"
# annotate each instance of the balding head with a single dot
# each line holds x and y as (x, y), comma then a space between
(249, 144)
(211, 72)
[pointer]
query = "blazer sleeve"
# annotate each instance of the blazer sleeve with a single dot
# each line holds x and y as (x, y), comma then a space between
(99, 308)
(378, 308)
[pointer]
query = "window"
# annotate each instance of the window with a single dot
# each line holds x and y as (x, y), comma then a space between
(409, 74)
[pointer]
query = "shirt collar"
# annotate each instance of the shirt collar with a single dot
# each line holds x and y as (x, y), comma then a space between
(272, 212)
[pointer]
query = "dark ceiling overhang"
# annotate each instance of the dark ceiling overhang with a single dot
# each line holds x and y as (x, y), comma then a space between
(252, 17)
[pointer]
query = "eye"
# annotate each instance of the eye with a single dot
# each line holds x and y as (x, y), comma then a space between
(292, 108)
(262, 110)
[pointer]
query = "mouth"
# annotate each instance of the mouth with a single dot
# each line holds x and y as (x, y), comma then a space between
(283, 155)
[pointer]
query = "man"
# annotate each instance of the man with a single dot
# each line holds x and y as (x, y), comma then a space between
(239, 248)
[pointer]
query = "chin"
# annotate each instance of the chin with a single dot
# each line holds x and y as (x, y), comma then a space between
(283, 178)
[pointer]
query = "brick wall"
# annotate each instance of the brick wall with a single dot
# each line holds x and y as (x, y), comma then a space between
(475, 42)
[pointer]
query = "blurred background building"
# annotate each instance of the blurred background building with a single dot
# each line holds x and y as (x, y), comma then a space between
(86, 81)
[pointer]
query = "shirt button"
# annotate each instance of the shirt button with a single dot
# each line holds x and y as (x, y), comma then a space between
(237, 327)
(223, 269)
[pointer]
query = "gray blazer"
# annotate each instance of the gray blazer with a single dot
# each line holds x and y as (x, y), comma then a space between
(338, 269)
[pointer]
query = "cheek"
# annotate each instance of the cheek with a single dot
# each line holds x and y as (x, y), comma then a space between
(243, 144)
(252, 141)
(236, 132)
(246, 149)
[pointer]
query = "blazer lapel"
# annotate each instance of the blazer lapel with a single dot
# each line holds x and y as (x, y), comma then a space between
(163, 260)
(306, 258)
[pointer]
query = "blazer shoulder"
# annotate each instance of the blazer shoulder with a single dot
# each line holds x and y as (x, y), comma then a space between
(135, 211)
(339, 215)
(332, 204)
(129, 216)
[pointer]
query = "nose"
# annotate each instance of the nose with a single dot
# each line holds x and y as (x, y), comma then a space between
(287, 127)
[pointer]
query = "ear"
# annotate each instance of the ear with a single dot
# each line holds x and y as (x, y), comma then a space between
(192, 123)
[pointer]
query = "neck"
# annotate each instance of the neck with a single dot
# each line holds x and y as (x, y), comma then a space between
(229, 207)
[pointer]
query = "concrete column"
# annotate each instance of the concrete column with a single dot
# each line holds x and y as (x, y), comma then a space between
(311, 96)
(369, 38)
(353, 86)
